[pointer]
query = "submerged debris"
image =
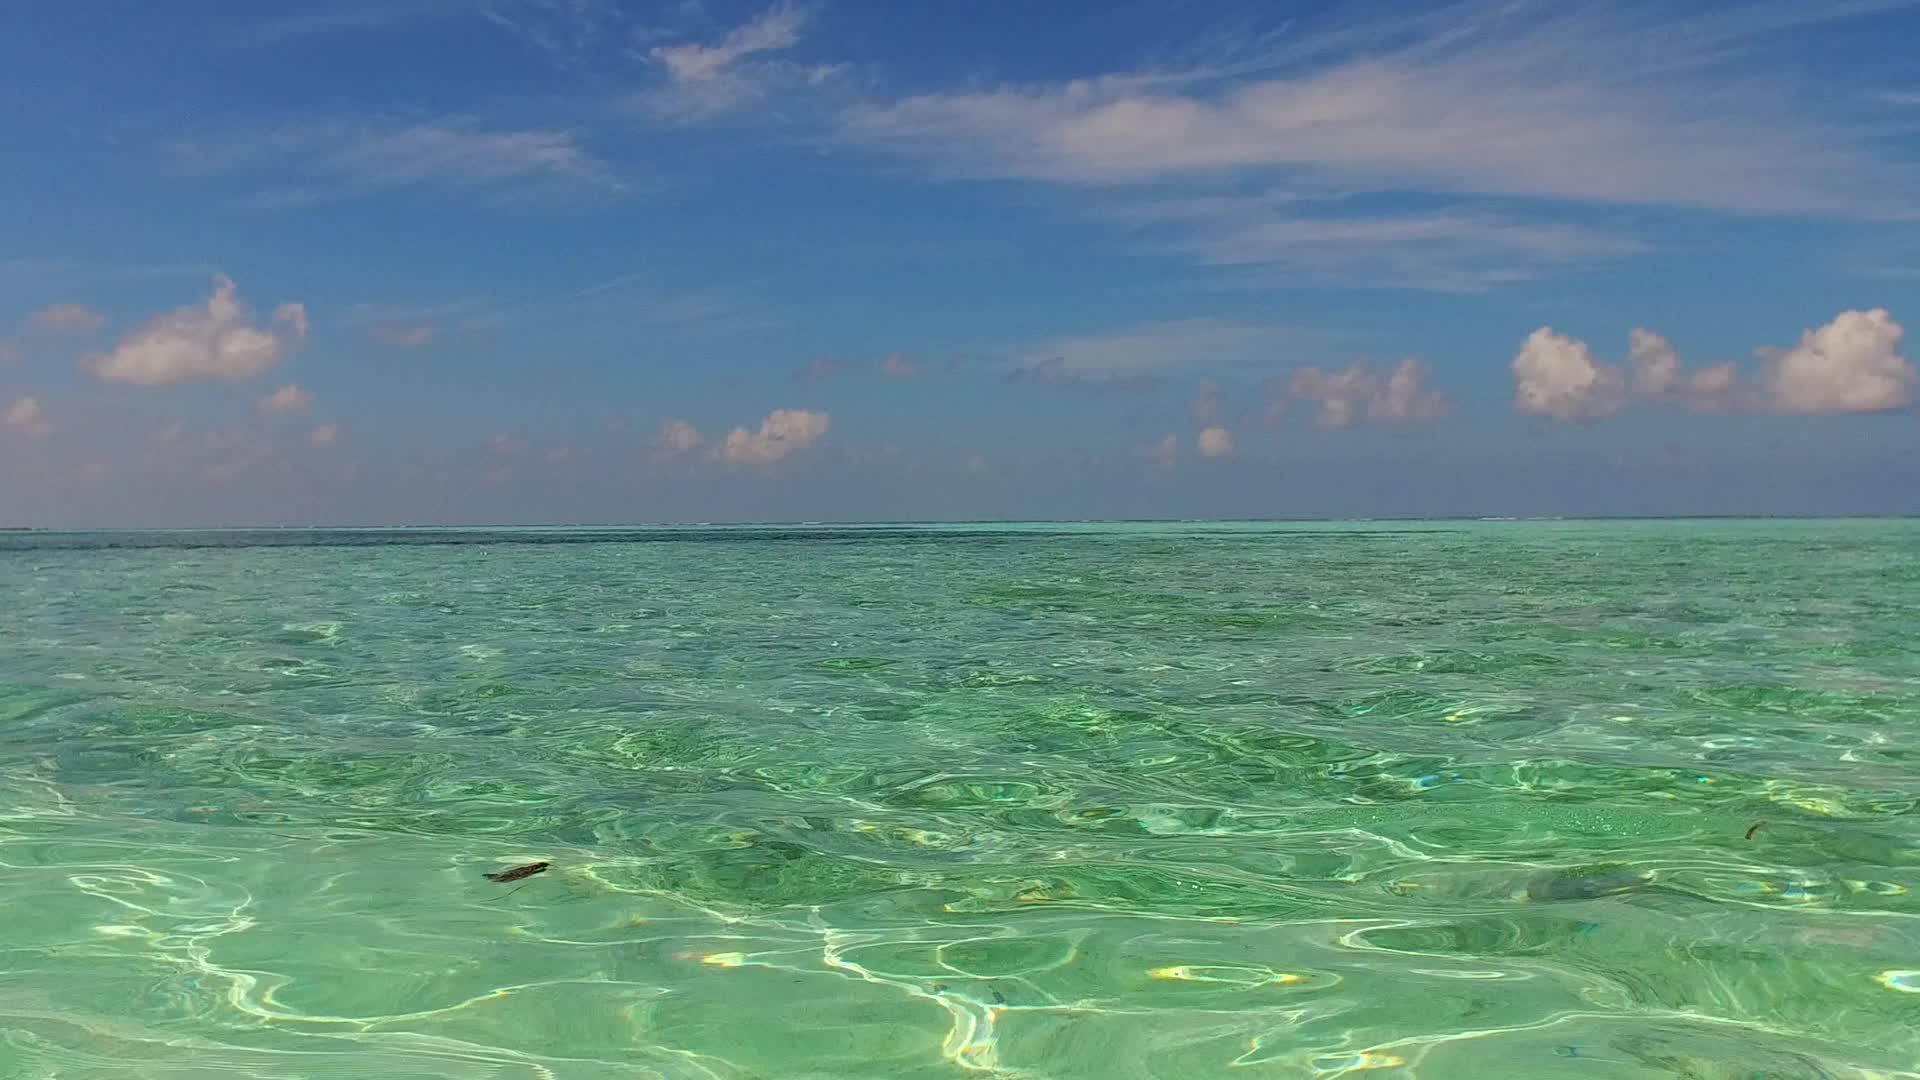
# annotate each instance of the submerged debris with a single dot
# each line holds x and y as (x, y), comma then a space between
(525, 870)
(1586, 883)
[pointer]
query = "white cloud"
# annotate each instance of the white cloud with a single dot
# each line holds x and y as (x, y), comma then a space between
(783, 433)
(1656, 366)
(288, 399)
(325, 435)
(403, 335)
(897, 366)
(25, 415)
(1555, 375)
(1357, 392)
(1634, 104)
(215, 340)
(1852, 364)
(318, 162)
(1658, 375)
(677, 438)
(773, 30)
(68, 319)
(1214, 442)
(1454, 251)
(705, 81)
(978, 464)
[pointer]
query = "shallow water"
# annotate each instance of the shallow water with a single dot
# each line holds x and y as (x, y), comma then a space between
(1082, 801)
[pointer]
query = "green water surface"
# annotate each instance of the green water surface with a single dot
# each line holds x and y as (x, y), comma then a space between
(1442, 800)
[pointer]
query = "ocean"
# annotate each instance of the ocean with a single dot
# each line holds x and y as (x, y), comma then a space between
(1444, 799)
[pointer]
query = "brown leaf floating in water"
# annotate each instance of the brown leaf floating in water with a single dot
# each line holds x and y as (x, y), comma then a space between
(525, 870)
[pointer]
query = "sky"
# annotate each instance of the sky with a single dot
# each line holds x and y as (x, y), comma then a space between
(559, 261)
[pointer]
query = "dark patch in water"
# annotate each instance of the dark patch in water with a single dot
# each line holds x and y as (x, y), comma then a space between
(1586, 883)
(525, 870)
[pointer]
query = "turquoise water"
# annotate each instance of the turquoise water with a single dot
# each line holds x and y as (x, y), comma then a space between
(1081, 801)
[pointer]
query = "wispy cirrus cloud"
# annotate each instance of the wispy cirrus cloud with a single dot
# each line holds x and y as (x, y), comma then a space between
(67, 319)
(1636, 104)
(738, 67)
(1444, 250)
(327, 160)
(568, 31)
(403, 335)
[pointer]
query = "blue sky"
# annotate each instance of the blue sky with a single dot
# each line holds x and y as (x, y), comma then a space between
(593, 260)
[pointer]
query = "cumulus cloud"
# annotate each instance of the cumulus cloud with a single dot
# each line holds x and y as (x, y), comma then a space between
(783, 433)
(1852, 364)
(677, 438)
(403, 335)
(1214, 442)
(1656, 365)
(1558, 376)
(215, 340)
(898, 366)
(287, 399)
(1358, 393)
(1659, 376)
(325, 435)
(25, 415)
(68, 319)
